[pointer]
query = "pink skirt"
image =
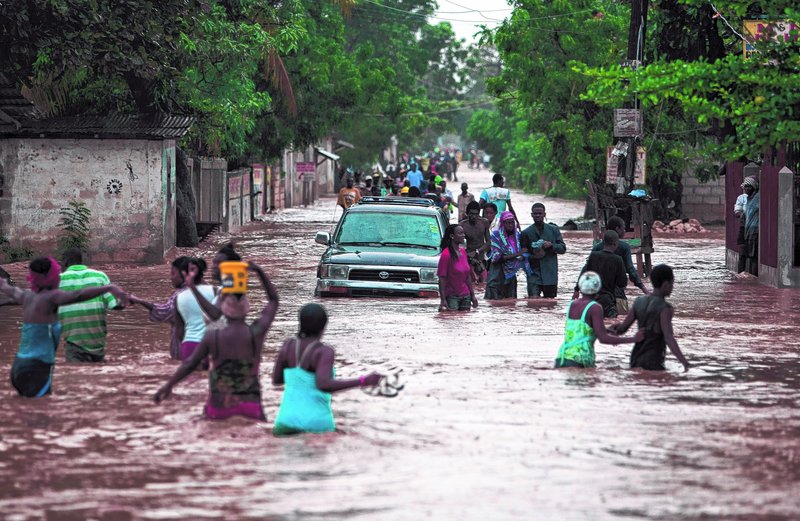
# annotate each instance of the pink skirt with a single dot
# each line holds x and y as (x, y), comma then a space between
(247, 409)
(187, 348)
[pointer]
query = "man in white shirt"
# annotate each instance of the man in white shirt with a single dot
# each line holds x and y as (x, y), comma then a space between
(500, 196)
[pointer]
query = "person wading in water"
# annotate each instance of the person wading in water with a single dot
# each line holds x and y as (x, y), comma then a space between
(305, 367)
(235, 352)
(653, 314)
(585, 325)
(32, 370)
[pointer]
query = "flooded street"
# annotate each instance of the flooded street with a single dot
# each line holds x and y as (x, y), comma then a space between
(484, 429)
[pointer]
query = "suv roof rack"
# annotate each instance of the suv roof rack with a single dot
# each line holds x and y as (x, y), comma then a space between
(411, 201)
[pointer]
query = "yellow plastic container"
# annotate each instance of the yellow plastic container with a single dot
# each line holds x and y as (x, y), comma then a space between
(233, 275)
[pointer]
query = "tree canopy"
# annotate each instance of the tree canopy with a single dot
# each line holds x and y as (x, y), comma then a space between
(747, 104)
(551, 138)
(703, 102)
(259, 75)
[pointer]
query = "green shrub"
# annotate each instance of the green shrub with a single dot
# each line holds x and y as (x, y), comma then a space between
(74, 224)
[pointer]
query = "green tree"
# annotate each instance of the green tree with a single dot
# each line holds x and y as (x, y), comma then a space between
(259, 75)
(195, 56)
(411, 77)
(745, 104)
(554, 138)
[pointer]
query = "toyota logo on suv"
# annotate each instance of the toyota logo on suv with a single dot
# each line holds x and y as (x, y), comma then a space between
(383, 275)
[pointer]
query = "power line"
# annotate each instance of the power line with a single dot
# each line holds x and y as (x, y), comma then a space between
(487, 19)
(426, 16)
(475, 11)
(728, 24)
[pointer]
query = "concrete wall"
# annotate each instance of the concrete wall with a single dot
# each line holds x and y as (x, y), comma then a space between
(129, 186)
(783, 274)
(324, 176)
(703, 201)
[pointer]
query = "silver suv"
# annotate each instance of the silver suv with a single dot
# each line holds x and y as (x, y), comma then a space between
(383, 246)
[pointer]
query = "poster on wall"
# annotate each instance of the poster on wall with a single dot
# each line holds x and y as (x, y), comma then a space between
(258, 178)
(754, 30)
(258, 189)
(245, 183)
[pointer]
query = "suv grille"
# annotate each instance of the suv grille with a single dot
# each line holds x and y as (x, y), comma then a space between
(401, 276)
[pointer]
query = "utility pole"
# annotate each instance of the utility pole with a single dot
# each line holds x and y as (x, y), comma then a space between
(636, 39)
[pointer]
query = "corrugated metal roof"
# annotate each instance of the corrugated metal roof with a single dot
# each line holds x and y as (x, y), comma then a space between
(158, 126)
(20, 118)
(325, 153)
(13, 106)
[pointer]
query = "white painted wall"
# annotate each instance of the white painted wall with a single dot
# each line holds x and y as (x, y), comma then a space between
(122, 181)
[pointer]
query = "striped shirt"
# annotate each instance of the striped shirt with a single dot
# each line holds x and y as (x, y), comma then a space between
(84, 323)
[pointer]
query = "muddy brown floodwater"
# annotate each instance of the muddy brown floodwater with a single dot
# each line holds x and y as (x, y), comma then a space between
(484, 430)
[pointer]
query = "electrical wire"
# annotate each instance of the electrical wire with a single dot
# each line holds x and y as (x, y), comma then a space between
(486, 19)
(468, 10)
(476, 11)
(426, 16)
(726, 22)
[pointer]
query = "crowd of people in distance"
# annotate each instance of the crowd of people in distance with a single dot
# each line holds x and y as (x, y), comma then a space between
(424, 175)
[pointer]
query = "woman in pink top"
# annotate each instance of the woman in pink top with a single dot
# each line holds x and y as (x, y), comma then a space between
(455, 281)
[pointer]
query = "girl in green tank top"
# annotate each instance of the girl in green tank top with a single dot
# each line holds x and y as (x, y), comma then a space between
(585, 325)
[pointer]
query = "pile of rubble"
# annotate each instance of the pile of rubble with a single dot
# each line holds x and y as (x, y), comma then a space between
(679, 226)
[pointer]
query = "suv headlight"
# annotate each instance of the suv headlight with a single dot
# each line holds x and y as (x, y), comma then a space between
(428, 275)
(334, 271)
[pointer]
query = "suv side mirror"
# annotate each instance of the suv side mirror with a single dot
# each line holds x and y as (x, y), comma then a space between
(323, 238)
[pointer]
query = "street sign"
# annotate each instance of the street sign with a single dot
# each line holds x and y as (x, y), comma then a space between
(305, 168)
(630, 64)
(627, 122)
(778, 30)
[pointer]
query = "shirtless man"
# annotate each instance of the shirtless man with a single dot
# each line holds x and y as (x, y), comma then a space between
(32, 371)
(476, 230)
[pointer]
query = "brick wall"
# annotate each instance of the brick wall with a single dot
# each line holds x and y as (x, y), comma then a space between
(703, 201)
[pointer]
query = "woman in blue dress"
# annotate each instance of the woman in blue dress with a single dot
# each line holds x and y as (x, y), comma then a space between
(305, 368)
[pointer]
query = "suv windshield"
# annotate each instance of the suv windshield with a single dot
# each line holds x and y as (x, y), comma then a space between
(389, 229)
